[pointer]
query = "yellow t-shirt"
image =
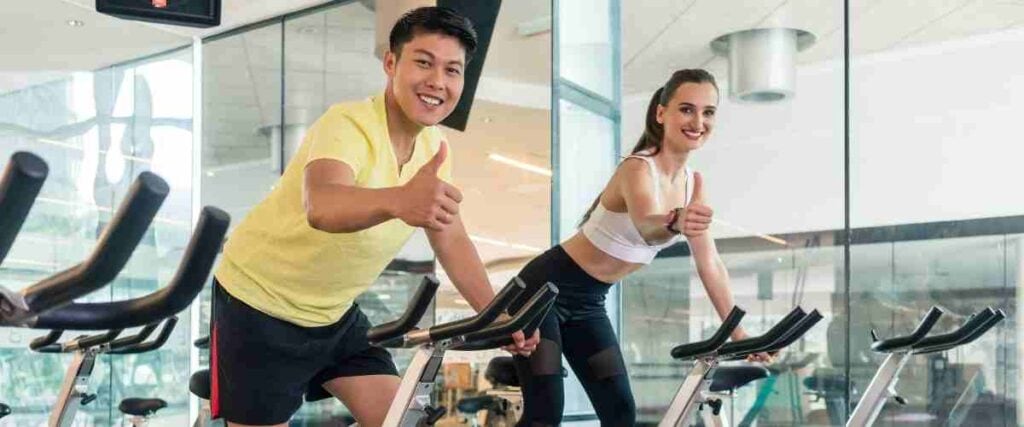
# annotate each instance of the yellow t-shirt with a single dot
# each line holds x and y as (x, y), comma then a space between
(276, 263)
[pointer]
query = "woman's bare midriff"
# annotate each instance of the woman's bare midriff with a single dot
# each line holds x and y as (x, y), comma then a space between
(596, 262)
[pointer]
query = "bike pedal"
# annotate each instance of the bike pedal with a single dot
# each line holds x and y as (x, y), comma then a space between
(88, 398)
(716, 406)
(434, 414)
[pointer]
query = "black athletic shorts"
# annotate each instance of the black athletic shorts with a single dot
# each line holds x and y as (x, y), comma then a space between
(263, 366)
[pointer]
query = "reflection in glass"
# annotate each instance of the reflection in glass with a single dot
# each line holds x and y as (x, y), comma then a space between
(97, 131)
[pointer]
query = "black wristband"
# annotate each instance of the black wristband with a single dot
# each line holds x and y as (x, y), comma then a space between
(671, 226)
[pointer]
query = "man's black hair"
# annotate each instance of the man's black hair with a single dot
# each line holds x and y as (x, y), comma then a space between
(436, 20)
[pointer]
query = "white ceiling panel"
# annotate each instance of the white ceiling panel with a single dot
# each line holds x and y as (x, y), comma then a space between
(515, 57)
(36, 37)
(643, 21)
(661, 36)
(975, 18)
(887, 24)
(686, 41)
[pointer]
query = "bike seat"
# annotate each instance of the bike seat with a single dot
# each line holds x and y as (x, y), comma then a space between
(827, 380)
(472, 405)
(727, 378)
(501, 370)
(141, 407)
(4, 410)
(199, 384)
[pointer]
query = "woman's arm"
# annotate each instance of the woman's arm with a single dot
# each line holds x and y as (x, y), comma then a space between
(634, 182)
(714, 276)
(694, 222)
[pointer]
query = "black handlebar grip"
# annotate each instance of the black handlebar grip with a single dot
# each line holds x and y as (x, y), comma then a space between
(755, 344)
(160, 340)
(485, 317)
(46, 340)
(189, 279)
(413, 313)
(22, 179)
(112, 251)
(710, 345)
(975, 332)
(904, 342)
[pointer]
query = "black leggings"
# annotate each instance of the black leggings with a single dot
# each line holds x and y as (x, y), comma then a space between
(577, 326)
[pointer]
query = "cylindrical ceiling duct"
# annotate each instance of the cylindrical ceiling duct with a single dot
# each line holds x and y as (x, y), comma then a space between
(762, 62)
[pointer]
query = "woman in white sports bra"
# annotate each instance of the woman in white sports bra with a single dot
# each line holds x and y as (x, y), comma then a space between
(650, 203)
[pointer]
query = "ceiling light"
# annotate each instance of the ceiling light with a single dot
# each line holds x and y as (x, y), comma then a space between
(772, 239)
(533, 27)
(762, 62)
(521, 165)
(497, 242)
(75, 23)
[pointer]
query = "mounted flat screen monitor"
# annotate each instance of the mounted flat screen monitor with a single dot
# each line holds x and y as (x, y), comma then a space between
(191, 13)
(483, 14)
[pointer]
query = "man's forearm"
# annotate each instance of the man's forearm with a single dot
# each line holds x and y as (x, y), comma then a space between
(461, 261)
(338, 208)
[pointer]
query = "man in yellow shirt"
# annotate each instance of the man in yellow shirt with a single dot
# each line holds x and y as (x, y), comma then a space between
(367, 173)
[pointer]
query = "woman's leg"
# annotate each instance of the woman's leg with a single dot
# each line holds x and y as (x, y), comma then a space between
(540, 376)
(594, 355)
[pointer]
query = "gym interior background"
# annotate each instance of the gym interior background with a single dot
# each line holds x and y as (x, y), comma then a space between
(871, 177)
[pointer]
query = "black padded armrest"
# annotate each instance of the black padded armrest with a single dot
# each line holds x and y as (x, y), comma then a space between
(499, 334)
(112, 251)
(189, 279)
(485, 317)
(763, 341)
(412, 315)
(22, 179)
(696, 349)
(906, 341)
(160, 340)
(973, 332)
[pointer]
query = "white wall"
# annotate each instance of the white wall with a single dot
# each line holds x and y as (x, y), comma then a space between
(934, 136)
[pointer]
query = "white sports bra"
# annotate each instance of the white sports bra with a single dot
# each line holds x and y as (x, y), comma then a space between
(614, 232)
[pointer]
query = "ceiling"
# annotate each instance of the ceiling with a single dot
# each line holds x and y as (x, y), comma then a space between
(659, 36)
(39, 45)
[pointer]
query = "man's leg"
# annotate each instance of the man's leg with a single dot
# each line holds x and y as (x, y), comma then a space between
(367, 396)
(231, 424)
(259, 365)
(362, 376)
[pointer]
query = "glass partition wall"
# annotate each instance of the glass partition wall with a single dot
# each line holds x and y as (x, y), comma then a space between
(97, 131)
(861, 164)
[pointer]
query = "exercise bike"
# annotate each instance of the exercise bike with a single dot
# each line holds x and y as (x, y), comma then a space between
(48, 304)
(900, 349)
(412, 404)
(701, 386)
